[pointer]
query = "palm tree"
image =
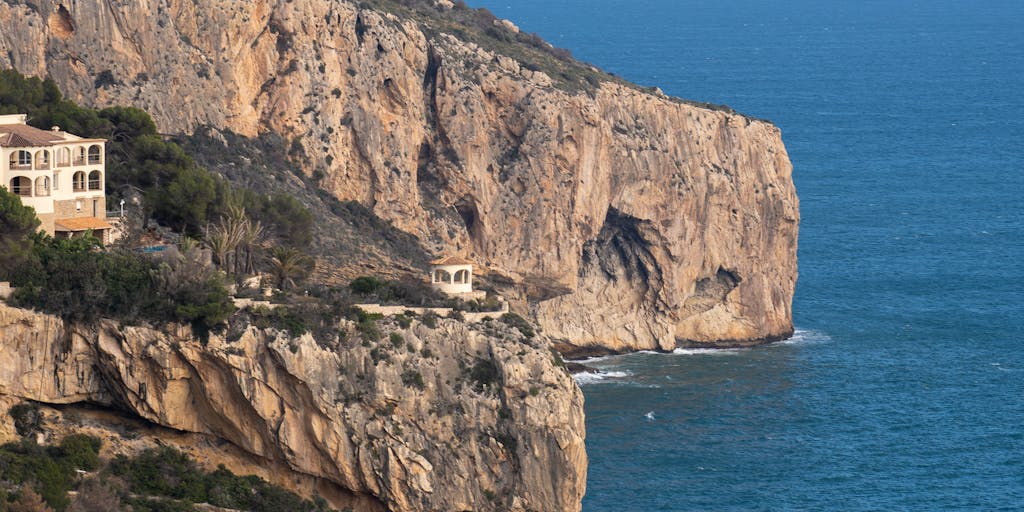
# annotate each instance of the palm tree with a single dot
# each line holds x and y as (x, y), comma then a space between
(251, 234)
(288, 266)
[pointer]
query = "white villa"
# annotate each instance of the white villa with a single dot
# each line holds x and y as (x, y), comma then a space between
(454, 276)
(59, 174)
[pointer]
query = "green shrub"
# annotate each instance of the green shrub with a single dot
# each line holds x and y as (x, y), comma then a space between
(162, 472)
(170, 473)
(413, 378)
(27, 418)
(520, 323)
(403, 320)
(80, 451)
(484, 374)
(429, 319)
(365, 285)
(49, 469)
(17, 223)
(396, 339)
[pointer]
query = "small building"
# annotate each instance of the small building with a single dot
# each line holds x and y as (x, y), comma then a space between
(452, 275)
(58, 174)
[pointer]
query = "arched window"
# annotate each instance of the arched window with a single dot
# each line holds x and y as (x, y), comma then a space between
(63, 157)
(42, 159)
(442, 276)
(21, 186)
(95, 154)
(462, 276)
(95, 180)
(78, 181)
(80, 155)
(42, 186)
(21, 160)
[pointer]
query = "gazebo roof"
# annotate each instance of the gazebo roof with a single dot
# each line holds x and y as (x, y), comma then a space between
(451, 260)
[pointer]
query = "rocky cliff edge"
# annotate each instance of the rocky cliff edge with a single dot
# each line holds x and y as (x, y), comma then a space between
(457, 417)
(621, 218)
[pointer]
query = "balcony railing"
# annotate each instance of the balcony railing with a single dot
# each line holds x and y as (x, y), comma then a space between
(95, 185)
(78, 161)
(20, 167)
(45, 166)
(78, 187)
(22, 190)
(94, 159)
(63, 163)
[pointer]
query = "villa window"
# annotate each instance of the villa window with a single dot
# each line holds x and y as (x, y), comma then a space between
(42, 186)
(95, 180)
(42, 160)
(56, 179)
(442, 276)
(80, 156)
(95, 154)
(78, 181)
(21, 160)
(21, 186)
(64, 157)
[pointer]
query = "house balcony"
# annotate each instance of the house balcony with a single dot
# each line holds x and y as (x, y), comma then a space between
(20, 167)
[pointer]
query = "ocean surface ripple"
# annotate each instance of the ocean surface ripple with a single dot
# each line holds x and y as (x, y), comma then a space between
(904, 387)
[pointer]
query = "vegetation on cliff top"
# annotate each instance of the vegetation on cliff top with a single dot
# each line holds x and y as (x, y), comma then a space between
(481, 27)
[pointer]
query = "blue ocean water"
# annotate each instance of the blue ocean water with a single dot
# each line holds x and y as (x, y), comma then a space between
(904, 387)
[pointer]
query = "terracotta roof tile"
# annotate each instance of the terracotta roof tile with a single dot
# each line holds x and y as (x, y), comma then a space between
(22, 135)
(452, 260)
(81, 224)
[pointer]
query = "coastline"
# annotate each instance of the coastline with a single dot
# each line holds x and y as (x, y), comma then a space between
(575, 355)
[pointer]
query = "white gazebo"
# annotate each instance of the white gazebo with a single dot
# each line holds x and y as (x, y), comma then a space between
(452, 275)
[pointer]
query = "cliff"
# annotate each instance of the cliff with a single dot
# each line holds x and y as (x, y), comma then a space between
(618, 217)
(461, 417)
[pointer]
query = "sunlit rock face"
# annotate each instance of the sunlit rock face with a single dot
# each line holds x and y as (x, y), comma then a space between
(457, 417)
(619, 218)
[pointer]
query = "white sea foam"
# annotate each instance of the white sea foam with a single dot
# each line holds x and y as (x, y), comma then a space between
(806, 337)
(706, 351)
(594, 378)
(649, 415)
(588, 360)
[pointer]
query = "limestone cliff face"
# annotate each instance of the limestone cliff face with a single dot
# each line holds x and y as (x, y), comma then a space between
(376, 428)
(626, 219)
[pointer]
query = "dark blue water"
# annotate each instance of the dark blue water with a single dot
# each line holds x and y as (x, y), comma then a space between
(904, 389)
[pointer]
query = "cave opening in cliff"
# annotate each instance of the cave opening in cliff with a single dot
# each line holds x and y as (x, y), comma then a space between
(61, 23)
(470, 216)
(360, 30)
(620, 250)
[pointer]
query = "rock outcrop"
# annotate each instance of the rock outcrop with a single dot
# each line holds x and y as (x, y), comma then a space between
(458, 417)
(624, 219)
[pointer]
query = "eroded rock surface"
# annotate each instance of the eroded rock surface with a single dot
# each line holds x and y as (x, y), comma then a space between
(627, 219)
(461, 417)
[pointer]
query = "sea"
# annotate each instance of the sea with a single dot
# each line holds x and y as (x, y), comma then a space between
(903, 387)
